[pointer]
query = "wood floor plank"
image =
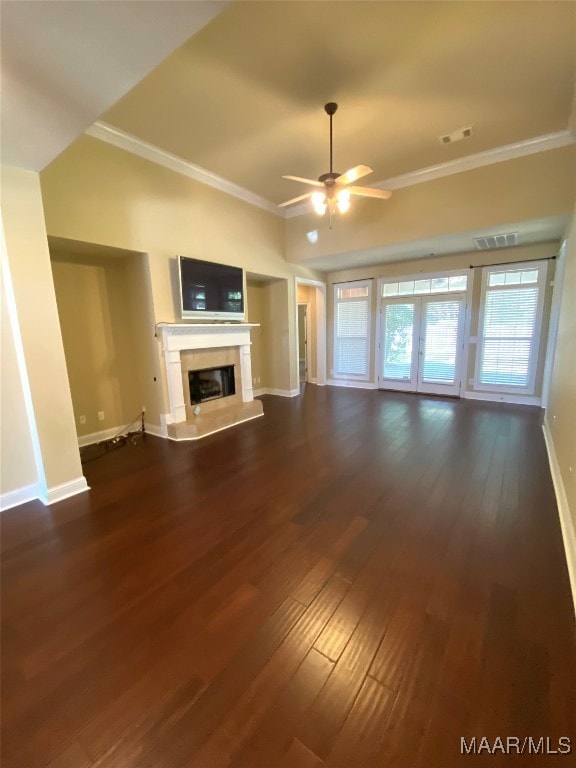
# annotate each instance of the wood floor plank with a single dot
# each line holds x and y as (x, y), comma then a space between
(120, 737)
(242, 719)
(339, 629)
(360, 736)
(401, 742)
(277, 728)
(309, 587)
(299, 756)
(320, 725)
(398, 645)
(74, 756)
(190, 732)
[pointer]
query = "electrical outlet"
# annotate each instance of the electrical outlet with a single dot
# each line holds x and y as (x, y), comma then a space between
(470, 382)
(82, 419)
(100, 415)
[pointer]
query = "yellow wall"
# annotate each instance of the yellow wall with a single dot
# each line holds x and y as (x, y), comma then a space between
(256, 300)
(147, 367)
(94, 305)
(18, 463)
(279, 343)
(440, 264)
(29, 263)
(100, 194)
(561, 412)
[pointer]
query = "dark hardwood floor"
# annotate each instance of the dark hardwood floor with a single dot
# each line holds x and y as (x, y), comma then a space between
(358, 579)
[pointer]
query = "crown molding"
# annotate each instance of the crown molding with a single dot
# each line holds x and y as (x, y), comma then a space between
(136, 146)
(480, 159)
(469, 163)
(132, 144)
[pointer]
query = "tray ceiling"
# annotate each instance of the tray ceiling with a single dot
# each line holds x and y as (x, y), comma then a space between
(244, 97)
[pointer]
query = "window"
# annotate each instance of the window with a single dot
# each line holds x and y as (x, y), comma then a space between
(426, 286)
(510, 322)
(352, 330)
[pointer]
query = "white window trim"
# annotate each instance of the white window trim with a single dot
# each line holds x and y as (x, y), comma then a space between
(542, 267)
(337, 287)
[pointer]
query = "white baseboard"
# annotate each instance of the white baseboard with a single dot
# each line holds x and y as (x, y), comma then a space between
(502, 398)
(98, 437)
(351, 383)
(157, 431)
(277, 392)
(64, 491)
(106, 434)
(568, 532)
(19, 496)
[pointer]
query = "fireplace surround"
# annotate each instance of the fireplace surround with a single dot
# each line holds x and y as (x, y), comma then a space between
(199, 347)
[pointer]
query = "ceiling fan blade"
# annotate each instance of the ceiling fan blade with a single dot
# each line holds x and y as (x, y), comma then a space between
(353, 174)
(383, 194)
(304, 181)
(296, 199)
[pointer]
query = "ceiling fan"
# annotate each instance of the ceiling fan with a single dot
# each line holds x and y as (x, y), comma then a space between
(334, 188)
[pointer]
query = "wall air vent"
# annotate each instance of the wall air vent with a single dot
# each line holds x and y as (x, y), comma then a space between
(492, 242)
(461, 133)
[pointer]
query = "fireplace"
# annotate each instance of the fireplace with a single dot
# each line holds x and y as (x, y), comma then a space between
(211, 384)
(220, 353)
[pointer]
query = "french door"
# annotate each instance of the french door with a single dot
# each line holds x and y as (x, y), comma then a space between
(421, 343)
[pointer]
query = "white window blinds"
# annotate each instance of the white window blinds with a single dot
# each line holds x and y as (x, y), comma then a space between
(512, 308)
(352, 329)
(441, 330)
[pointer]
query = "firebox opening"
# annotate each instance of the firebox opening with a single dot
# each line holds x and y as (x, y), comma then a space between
(211, 383)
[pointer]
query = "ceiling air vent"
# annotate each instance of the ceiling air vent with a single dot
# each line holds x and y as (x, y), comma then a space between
(461, 133)
(491, 242)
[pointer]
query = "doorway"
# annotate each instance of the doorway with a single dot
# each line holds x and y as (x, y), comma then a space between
(421, 347)
(310, 294)
(303, 345)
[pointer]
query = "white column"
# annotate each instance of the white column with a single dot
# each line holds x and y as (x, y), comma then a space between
(246, 369)
(175, 388)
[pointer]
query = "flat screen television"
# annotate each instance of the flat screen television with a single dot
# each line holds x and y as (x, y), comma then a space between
(210, 291)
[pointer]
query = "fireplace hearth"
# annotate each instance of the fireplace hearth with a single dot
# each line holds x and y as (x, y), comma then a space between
(211, 384)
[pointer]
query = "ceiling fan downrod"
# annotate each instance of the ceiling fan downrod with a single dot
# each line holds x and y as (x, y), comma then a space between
(330, 109)
(329, 178)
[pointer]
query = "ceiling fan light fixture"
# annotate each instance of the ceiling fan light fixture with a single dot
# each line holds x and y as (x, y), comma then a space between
(343, 200)
(319, 202)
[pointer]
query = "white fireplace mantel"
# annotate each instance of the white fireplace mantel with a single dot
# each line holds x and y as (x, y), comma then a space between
(178, 337)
